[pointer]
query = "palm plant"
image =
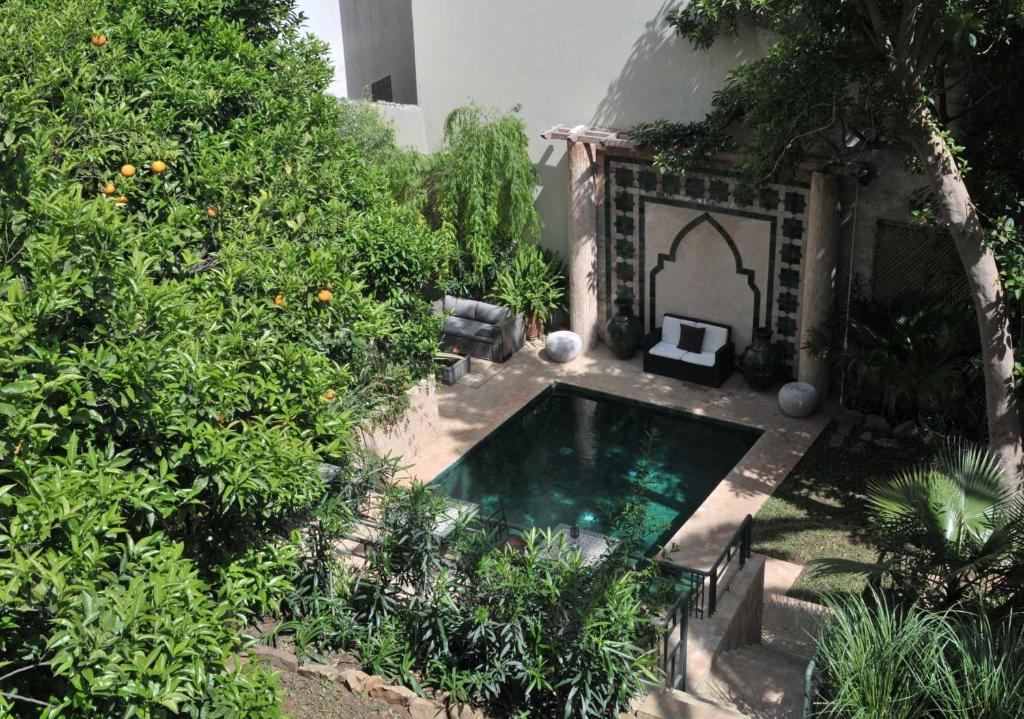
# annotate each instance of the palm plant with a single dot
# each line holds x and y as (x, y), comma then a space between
(532, 284)
(950, 532)
(910, 358)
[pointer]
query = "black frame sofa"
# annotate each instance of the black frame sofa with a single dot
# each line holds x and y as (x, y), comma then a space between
(711, 366)
(480, 329)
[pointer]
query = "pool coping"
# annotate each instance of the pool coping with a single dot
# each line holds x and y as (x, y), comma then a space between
(469, 414)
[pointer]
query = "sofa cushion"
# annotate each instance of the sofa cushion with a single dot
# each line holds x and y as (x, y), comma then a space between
(690, 338)
(714, 338)
(670, 330)
(705, 359)
(469, 329)
(664, 349)
(460, 307)
(491, 314)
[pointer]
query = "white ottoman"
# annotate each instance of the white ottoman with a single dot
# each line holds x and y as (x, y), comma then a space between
(563, 346)
(798, 399)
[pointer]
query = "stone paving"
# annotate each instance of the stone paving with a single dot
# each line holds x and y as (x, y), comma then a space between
(470, 410)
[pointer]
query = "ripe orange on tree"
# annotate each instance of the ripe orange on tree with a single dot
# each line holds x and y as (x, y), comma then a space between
(158, 166)
(122, 200)
(99, 40)
(211, 212)
(330, 394)
(279, 299)
(324, 295)
(109, 189)
(128, 170)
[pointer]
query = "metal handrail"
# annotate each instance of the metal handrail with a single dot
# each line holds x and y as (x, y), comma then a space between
(738, 547)
(673, 658)
(811, 675)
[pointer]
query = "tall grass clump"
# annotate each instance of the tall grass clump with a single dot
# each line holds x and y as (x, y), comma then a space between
(880, 658)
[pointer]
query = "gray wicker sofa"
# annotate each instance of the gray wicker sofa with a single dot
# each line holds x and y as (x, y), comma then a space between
(480, 329)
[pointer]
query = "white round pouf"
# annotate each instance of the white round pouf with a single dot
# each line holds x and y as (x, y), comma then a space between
(563, 346)
(798, 399)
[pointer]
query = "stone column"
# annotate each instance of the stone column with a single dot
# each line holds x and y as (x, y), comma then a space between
(821, 258)
(582, 259)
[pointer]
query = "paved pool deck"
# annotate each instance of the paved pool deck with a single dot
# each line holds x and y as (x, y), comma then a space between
(492, 393)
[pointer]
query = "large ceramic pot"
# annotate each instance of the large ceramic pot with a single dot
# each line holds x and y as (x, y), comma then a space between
(760, 361)
(624, 331)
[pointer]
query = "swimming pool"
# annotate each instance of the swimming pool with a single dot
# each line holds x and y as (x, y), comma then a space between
(571, 456)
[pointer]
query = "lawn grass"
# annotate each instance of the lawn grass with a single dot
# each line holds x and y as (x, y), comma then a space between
(818, 511)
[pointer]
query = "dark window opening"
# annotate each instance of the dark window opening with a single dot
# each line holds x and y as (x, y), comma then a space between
(380, 91)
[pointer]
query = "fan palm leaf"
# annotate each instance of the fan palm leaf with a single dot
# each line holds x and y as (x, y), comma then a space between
(949, 531)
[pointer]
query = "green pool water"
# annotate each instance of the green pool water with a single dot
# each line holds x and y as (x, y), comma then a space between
(571, 456)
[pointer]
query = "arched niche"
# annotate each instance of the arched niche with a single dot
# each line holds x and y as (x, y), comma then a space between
(714, 267)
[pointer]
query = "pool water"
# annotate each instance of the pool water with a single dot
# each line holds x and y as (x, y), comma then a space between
(572, 456)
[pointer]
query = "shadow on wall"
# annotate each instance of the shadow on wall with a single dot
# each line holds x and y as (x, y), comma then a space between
(666, 77)
(551, 199)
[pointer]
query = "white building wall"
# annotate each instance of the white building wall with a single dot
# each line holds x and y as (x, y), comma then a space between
(601, 62)
(323, 19)
(378, 43)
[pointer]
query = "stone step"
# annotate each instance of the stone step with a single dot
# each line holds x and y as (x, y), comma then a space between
(757, 681)
(791, 625)
(672, 704)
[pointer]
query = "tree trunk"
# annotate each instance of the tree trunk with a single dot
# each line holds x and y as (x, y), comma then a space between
(961, 217)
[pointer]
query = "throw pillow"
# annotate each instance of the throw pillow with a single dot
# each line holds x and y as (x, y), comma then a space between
(691, 338)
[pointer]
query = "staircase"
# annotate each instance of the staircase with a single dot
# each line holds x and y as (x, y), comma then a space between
(766, 680)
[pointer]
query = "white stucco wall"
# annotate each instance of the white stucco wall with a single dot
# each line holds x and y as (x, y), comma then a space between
(323, 19)
(378, 43)
(602, 62)
(408, 123)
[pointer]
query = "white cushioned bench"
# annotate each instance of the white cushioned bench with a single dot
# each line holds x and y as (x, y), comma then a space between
(711, 366)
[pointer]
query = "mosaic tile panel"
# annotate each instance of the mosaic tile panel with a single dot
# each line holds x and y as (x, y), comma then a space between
(632, 181)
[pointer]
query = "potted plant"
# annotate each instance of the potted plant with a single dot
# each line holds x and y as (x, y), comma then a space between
(451, 367)
(532, 285)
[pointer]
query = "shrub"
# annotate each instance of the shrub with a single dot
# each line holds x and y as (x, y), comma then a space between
(531, 284)
(531, 633)
(481, 197)
(949, 534)
(179, 353)
(910, 358)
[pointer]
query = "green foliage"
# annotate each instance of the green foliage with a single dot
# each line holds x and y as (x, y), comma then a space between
(948, 534)
(878, 658)
(482, 182)
(532, 284)
(161, 415)
(531, 633)
(907, 359)
(831, 79)
(843, 77)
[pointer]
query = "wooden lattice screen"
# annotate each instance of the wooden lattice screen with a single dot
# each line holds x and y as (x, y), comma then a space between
(911, 260)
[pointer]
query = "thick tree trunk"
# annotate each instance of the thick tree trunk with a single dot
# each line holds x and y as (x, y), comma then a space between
(961, 217)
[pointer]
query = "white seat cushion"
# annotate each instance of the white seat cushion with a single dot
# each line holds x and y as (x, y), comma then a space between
(664, 349)
(705, 359)
(714, 338)
(670, 330)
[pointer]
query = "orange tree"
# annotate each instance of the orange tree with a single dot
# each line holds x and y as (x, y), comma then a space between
(207, 286)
